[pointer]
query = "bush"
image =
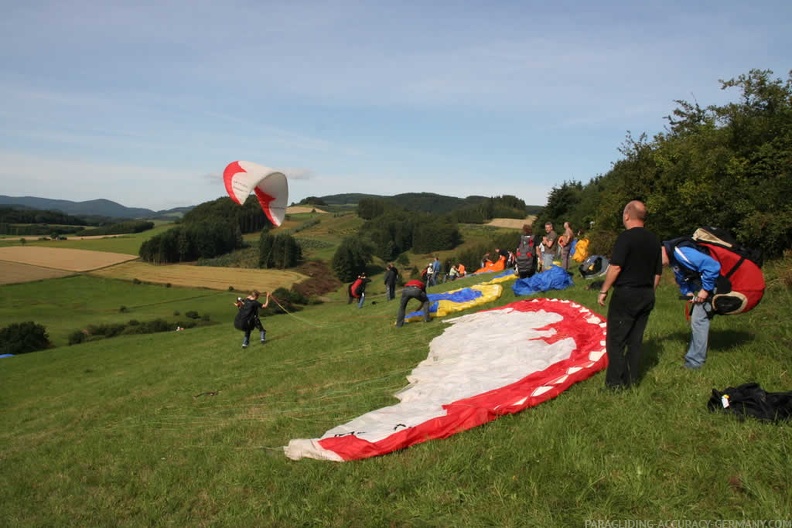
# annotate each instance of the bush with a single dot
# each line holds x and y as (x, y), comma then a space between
(21, 338)
(105, 330)
(77, 337)
(192, 314)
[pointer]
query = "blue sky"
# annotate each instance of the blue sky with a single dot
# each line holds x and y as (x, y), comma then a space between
(145, 103)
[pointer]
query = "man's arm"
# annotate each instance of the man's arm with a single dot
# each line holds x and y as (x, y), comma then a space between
(610, 278)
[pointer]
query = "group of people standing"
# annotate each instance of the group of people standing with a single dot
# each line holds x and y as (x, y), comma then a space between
(553, 246)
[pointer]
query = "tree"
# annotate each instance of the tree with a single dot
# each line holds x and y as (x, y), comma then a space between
(562, 203)
(279, 251)
(21, 338)
(351, 258)
(727, 166)
(432, 233)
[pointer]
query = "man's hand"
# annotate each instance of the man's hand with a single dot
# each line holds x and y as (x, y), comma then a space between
(700, 297)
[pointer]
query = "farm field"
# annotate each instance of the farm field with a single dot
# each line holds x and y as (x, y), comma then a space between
(17, 272)
(128, 244)
(511, 223)
(62, 258)
(215, 278)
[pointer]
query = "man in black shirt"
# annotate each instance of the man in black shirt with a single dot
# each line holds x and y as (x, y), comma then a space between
(634, 273)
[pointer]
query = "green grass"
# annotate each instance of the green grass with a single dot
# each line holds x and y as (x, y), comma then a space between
(186, 429)
(72, 303)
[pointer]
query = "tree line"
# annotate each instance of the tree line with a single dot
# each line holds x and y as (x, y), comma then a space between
(727, 166)
(208, 230)
(391, 230)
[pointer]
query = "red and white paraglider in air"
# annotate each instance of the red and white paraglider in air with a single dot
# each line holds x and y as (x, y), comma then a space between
(270, 186)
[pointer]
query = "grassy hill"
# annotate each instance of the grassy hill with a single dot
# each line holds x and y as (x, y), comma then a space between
(186, 428)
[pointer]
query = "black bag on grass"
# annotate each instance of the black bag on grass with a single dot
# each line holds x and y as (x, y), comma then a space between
(750, 399)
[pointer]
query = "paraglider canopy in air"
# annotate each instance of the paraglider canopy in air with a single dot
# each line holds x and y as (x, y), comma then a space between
(270, 186)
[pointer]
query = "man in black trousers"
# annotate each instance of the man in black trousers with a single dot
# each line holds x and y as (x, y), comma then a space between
(634, 273)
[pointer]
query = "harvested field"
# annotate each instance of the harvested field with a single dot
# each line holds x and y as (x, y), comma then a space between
(241, 279)
(62, 258)
(16, 272)
(296, 209)
(513, 223)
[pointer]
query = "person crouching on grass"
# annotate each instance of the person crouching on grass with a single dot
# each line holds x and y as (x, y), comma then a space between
(247, 318)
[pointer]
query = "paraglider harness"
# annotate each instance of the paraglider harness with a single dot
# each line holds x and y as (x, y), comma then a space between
(247, 317)
(594, 266)
(524, 257)
(750, 399)
(740, 285)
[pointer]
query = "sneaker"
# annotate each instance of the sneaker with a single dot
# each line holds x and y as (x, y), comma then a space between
(262, 341)
(244, 345)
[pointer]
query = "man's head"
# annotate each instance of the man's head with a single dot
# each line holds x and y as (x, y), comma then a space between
(255, 294)
(566, 225)
(634, 214)
(549, 226)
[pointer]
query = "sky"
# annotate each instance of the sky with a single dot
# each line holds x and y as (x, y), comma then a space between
(145, 103)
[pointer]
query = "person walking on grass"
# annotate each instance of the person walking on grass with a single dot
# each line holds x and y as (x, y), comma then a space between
(634, 273)
(391, 275)
(247, 317)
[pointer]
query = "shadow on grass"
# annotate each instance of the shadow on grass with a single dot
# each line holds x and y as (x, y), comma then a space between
(651, 356)
(719, 341)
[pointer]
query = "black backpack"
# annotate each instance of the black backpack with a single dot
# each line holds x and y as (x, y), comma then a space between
(524, 257)
(749, 399)
(246, 316)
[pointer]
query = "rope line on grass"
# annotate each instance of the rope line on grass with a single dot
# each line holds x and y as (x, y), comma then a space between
(302, 319)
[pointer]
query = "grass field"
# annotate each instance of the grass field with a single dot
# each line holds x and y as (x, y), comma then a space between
(127, 244)
(186, 428)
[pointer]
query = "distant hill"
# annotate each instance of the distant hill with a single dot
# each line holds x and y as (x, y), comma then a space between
(103, 208)
(424, 202)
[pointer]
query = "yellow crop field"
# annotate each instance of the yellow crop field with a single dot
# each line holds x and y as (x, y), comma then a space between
(29, 263)
(241, 279)
(16, 272)
(513, 223)
(62, 258)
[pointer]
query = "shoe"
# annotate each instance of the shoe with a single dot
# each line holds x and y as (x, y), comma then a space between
(244, 345)
(262, 341)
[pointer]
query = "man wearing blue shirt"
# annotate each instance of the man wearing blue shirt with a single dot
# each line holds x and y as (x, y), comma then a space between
(695, 273)
(436, 268)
